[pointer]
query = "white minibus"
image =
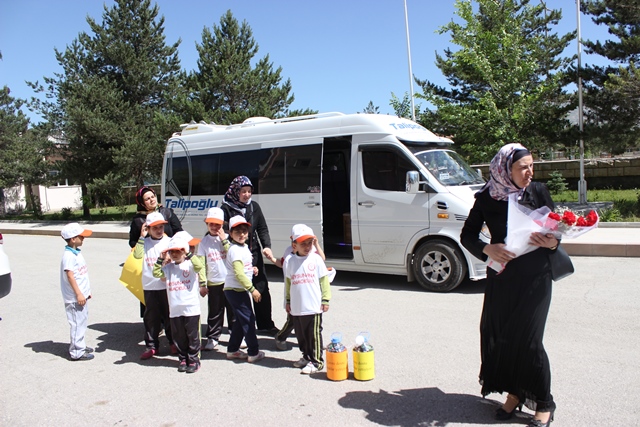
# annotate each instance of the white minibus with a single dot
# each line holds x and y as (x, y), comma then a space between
(383, 194)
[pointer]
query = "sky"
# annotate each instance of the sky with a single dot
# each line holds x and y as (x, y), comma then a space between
(338, 54)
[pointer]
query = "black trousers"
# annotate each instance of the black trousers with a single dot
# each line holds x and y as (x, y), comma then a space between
(156, 314)
(218, 303)
(309, 333)
(286, 329)
(263, 308)
(186, 337)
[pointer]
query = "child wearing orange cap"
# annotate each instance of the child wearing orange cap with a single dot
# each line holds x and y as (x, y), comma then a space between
(150, 245)
(76, 289)
(307, 293)
(181, 270)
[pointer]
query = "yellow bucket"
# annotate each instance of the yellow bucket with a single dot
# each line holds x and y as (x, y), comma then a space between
(363, 367)
(337, 365)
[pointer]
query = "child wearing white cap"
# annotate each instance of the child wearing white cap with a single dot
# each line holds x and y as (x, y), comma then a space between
(308, 292)
(150, 245)
(180, 269)
(76, 289)
(287, 328)
(237, 288)
(213, 248)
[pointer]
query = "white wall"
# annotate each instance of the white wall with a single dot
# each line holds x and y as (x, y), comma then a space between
(52, 199)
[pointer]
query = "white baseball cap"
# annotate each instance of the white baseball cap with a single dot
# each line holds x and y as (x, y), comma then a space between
(215, 215)
(74, 229)
(155, 218)
(178, 243)
(184, 235)
(237, 220)
(301, 232)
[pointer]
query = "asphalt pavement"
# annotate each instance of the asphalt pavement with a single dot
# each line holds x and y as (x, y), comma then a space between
(426, 353)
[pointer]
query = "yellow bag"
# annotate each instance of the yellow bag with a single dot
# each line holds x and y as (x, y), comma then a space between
(131, 277)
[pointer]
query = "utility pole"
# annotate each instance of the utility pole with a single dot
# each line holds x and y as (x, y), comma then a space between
(582, 183)
(406, 24)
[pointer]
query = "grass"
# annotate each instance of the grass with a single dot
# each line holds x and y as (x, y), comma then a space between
(626, 208)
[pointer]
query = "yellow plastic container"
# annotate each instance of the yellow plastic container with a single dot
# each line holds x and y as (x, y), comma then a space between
(363, 365)
(337, 365)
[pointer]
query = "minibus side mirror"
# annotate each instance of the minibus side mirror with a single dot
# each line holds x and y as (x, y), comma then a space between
(413, 182)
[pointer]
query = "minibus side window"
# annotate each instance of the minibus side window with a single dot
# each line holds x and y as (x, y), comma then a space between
(385, 169)
(235, 164)
(292, 169)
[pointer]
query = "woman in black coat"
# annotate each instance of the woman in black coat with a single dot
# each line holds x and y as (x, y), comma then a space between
(237, 201)
(516, 300)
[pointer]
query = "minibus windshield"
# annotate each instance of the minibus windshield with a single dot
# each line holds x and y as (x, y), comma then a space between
(448, 167)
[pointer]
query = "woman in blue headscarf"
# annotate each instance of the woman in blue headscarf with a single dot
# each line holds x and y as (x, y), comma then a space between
(237, 201)
(516, 300)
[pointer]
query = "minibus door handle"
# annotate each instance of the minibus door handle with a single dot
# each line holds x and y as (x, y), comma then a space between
(367, 204)
(311, 204)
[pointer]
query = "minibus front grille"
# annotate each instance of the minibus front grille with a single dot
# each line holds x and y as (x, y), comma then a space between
(461, 217)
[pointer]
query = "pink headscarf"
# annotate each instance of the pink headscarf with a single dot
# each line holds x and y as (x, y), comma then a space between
(500, 184)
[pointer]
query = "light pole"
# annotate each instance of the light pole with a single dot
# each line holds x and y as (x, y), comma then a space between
(406, 24)
(582, 183)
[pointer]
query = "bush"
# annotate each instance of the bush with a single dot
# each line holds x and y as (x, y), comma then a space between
(66, 213)
(556, 184)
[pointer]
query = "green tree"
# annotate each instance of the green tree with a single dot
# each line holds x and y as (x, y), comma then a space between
(114, 97)
(226, 88)
(612, 92)
(22, 150)
(402, 107)
(506, 80)
(371, 109)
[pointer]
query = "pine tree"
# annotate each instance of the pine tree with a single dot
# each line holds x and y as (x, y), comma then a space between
(112, 101)
(506, 79)
(612, 93)
(226, 88)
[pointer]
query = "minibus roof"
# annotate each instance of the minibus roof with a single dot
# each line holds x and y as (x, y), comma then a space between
(322, 125)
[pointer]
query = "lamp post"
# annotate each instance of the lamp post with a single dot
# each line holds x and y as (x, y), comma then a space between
(582, 183)
(406, 24)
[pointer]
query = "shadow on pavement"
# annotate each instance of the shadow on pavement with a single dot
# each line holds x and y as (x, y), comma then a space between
(59, 349)
(422, 406)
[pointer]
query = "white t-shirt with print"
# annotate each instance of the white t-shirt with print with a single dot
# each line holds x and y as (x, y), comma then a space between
(152, 250)
(74, 262)
(305, 292)
(212, 250)
(242, 253)
(182, 289)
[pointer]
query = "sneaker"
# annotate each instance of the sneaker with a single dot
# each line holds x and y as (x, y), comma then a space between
(193, 368)
(148, 354)
(271, 331)
(85, 356)
(237, 355)
(281, 345)
(211, 344)
(243, 344)
(174, 349)
(182, 367)
(301, 363)
(88, 350)
(309, 369)
(257, 357)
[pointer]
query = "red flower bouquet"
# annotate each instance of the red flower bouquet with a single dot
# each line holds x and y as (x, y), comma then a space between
(522, 221)
(568, 224)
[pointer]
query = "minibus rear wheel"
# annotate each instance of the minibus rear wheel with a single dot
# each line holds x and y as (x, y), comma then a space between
(438, 266)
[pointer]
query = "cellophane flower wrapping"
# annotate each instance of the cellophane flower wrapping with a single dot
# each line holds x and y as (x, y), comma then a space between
(522, 221)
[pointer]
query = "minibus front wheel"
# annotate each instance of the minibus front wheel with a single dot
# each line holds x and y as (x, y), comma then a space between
(438, 266)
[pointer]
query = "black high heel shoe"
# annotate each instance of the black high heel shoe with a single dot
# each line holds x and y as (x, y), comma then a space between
(502, 415)
(538, 423)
